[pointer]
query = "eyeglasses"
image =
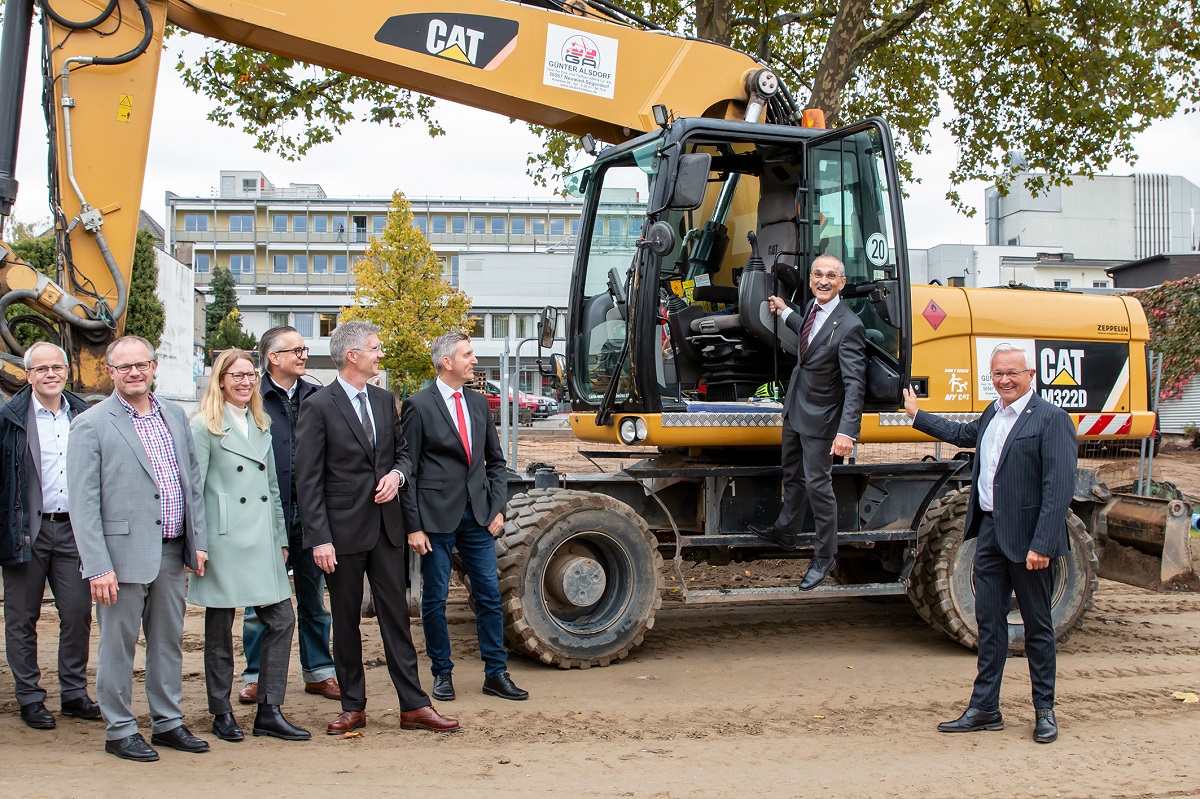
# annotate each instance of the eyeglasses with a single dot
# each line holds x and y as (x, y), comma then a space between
(1010, 375)
(242, 377)
(58, 369)
(832, 274)
(377, 348)
(125, 368)
(299, 352)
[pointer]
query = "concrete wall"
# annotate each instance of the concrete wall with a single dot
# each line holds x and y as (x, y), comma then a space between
(1093, 219)
(177, 351)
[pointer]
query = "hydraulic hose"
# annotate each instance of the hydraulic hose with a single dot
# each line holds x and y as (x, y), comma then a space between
(79, 26)
(5, 301)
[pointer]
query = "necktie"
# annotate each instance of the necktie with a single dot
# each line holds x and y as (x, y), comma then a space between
(366, 418)
(808, 328)
(462, 425)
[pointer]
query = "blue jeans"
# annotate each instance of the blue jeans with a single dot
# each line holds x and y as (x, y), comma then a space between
(477, 550)
(313, 621)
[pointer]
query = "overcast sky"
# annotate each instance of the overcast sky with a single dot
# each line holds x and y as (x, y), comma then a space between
(482, 155)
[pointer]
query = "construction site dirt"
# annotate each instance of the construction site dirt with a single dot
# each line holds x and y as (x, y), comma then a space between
(834, 698)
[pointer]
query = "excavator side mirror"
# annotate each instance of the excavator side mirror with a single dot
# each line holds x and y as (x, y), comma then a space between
(691, 181)
(547, 326)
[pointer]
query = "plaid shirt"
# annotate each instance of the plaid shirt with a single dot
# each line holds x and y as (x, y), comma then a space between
(160, 448)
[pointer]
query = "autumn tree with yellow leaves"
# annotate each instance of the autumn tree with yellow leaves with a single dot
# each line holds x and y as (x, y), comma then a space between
(400, 290)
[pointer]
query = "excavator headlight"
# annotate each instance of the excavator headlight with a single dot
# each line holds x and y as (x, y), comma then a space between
(627, 430)
(640, 429)
(661, 117)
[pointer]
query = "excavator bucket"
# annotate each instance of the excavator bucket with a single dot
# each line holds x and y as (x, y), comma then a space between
(1148, 542)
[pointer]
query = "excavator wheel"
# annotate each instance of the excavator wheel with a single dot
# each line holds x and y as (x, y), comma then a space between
(580, 578)
(942, 589)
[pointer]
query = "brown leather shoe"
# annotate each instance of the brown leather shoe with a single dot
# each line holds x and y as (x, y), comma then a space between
(426, 718)
(249, 694)
(346, 721)
(327, 688)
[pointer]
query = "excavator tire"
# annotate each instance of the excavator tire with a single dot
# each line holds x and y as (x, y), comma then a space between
(580, 578)
(941, 586)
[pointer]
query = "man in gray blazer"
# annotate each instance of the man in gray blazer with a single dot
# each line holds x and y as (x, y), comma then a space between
(1022, 482)
(138, 517)
(822, 413)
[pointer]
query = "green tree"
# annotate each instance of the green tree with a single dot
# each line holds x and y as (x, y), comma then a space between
(400, 290)
(38, 252)
(222, 320)
(145, 314)
(1064, 83)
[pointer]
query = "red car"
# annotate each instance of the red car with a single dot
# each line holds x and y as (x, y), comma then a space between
(492, 392)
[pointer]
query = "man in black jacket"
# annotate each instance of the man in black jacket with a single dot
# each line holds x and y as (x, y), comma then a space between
(282, 357)
(36, 541)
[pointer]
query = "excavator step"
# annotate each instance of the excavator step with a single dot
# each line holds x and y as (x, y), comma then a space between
(804, 540)
(715, 596)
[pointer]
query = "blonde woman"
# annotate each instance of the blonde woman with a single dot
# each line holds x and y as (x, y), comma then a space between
(247, 546)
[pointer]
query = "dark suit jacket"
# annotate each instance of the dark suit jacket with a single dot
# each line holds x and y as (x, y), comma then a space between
(825, 395)
(441, 480)
(337, 471)
(1035, 478)
(282, 435)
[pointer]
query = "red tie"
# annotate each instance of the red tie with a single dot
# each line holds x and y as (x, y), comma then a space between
(462, 425)
(807, 331)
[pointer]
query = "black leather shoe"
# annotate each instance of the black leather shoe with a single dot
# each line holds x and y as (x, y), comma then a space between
(226, 728)
(974, 720)
(1045, 731)
(270, 721)
(818, 570)
(502, 686)
(781, 538)
(81, 708)
(133, 747)
(35, 715)
(180, 738)
(443, 687)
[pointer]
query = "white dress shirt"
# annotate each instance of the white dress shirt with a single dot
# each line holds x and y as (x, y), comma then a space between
(53, 431)
(448, 397)
(353, 393)
(992, 445)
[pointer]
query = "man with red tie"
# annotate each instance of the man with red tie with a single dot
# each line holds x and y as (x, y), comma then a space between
(459, 489)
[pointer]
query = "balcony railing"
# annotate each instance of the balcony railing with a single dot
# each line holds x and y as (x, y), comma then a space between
(356, 240)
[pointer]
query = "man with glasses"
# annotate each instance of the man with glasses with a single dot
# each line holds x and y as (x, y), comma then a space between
(283, 359)
(36, 542)
(1022, 481)
(138, 515)
(822, 413)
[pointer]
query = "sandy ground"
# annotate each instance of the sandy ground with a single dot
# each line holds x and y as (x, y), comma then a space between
(830, 698)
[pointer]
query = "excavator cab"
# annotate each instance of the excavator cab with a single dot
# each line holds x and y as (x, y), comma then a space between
(685, 235)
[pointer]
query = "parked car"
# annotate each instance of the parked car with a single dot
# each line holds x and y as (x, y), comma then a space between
(546, 406)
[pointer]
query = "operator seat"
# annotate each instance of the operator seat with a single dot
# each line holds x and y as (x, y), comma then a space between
(776, 271)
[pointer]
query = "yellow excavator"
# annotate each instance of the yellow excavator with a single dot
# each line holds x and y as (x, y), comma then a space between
(734, 191)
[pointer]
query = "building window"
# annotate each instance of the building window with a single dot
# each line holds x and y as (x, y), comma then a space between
(328, 323)
(279, 223)
(196, 223)
(339, 264)
(476, 327)
(300, 264)
(479, 224)
(320, 264)
(421, 224)
(1099, 284)
(303, 324)
(241, 223)
(202, 262)
(279, 319)
(241, 264)
(499, 326)
(279, 264)
(300, 224)
(339, 227)
(249, 184)
(616, 230)
(458, 224)
(558, 226)
(526, 325)
(537, 226)
(499, 226)
(574, 226)
(378, 223)
(1062, 284)
(635, 228)
(518, 225)
(439, 224)
(320, 224)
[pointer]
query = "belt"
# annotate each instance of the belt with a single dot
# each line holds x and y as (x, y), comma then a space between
(56, 517)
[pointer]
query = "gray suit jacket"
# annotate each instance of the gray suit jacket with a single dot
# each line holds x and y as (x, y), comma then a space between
(825, 395)
(115, 508)
(1035, 477)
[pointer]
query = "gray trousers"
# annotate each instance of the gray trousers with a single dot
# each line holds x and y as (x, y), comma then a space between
(280, 622)
(157, 608)
(55, 560)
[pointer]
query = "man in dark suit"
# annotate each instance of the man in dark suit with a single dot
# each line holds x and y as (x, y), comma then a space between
(822, 413)
(459, 489)
(1023, 479)
(351, 461)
